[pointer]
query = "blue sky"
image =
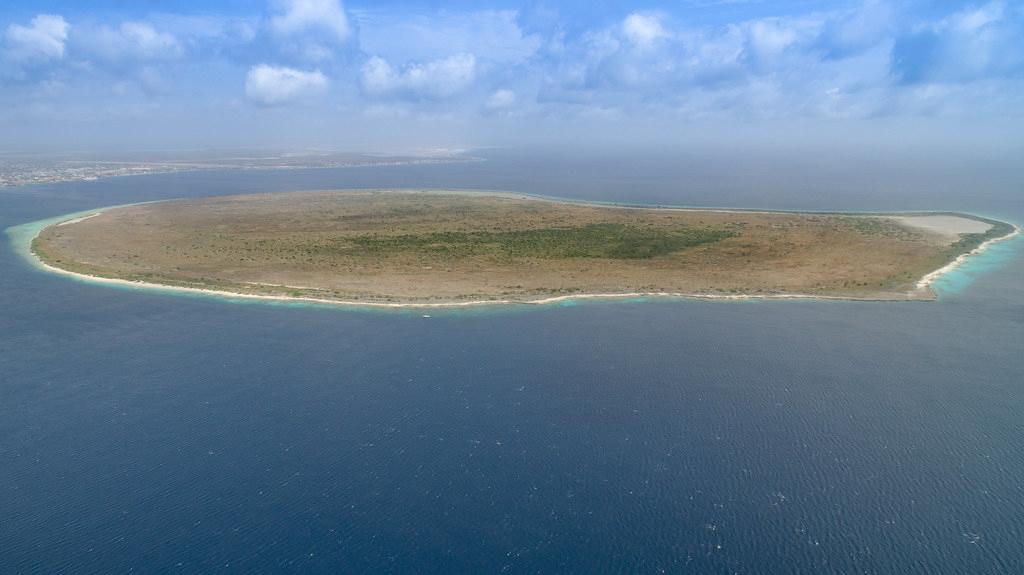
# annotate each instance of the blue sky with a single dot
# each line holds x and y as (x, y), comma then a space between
(399, 75)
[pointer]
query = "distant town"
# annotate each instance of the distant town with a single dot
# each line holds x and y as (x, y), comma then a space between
(20, 169)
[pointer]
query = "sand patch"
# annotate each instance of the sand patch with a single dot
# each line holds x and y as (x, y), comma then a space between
(946, 224)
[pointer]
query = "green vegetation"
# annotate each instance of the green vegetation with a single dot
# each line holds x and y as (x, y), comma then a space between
(968, 242)
(602, 240)
(881, 226)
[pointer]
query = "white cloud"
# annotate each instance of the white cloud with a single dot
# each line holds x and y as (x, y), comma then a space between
(378, 75)
(643, 29)
(129, 41)
(44, 39)
(272, 85)
(771, 36)
(501, 99)
(302, 15)
(436, 79)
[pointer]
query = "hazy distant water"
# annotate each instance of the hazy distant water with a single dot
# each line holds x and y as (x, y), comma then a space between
(170, 434)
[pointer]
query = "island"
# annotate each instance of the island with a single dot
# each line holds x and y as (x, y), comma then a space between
(443, 247)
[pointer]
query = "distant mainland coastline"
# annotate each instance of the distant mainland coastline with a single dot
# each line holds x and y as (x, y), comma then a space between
(446, 249)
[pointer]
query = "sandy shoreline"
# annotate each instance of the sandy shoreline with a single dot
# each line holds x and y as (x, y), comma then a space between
(930, 278)
(457, 304)
(921, 292)
(76, 220)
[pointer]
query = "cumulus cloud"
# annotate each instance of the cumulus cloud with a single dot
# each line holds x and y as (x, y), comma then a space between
(643, 29)
(436, 79)
(43, 39)
(273, 85)
(766, 39)
(298, 16)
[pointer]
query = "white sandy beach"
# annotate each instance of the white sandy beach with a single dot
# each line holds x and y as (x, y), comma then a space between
(944, 224)
(76, 220)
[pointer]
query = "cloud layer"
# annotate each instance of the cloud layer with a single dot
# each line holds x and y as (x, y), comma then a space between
(695, 62)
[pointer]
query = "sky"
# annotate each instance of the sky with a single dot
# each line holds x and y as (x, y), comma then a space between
(396, 76)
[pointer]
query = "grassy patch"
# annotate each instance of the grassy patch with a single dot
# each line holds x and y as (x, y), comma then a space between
(608, 240)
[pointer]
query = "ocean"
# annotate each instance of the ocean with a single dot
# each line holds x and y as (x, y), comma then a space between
(147, 432)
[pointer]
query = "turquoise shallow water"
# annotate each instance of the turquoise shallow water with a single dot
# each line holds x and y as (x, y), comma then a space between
(149, 433)
(996, 256)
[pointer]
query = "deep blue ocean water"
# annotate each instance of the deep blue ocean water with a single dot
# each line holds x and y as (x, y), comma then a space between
(145, 432)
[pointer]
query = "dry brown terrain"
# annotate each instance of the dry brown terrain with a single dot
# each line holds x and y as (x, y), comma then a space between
(388, 246)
